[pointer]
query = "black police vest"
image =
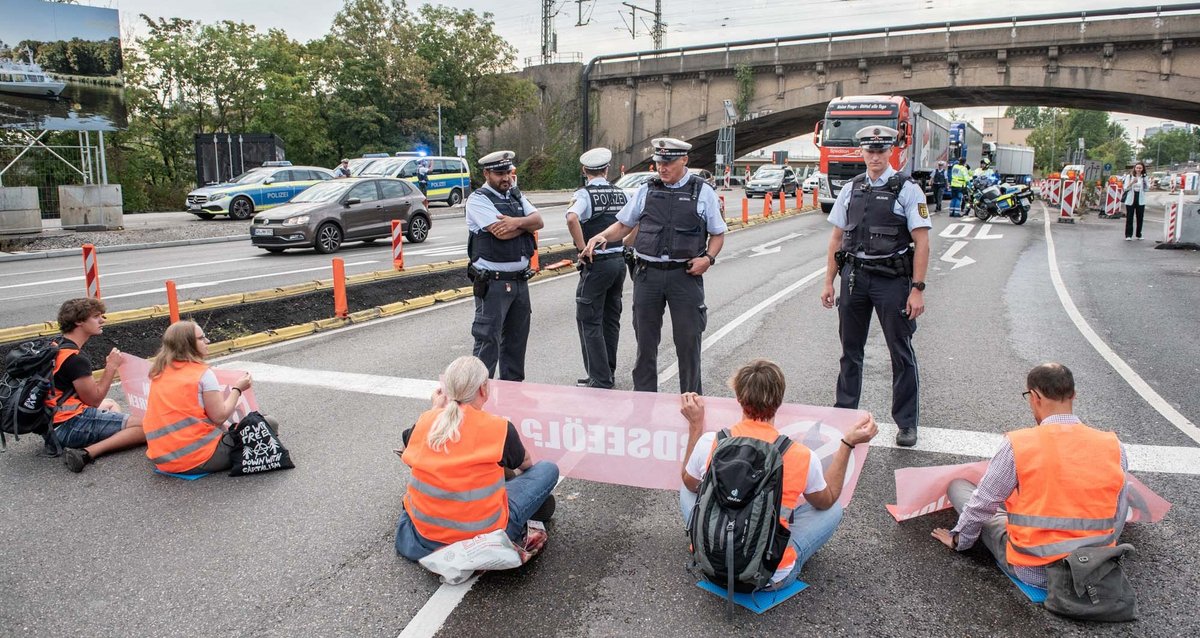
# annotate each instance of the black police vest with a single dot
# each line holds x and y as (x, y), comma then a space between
(606, 200)
(484, 245)
(872, 227)
(670, 223)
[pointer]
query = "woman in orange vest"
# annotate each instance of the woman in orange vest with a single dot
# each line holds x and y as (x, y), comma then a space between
(810, 496)
(186, 409)
(464, 463)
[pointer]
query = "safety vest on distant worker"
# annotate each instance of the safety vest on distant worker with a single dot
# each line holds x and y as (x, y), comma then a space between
(1069, 485)
(179, 436)
(458, 493)
(959, 176)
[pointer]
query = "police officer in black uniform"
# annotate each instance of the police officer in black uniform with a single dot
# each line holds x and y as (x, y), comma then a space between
(500, 224)
(880, 247)
(602, 275)
(680, 231)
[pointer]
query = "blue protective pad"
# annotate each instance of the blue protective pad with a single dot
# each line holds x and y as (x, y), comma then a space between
(1035, 594)
(186, 477)
(757, 602)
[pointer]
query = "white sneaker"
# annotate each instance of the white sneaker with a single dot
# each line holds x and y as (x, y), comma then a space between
(1128, 239)
(1139, 239)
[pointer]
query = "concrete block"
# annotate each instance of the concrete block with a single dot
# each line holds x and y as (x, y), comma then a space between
(1189, 223)
(93, 205)
(19, 211)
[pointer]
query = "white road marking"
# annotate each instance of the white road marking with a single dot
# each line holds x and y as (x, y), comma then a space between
(437, 609)
(958, 262)
(766, 249)
(1131, 377)
(985, 234)
(957, 230)
(106, 275)
(205, 284)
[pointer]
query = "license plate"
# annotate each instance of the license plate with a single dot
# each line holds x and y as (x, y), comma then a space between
(194, 207)
(262, 232)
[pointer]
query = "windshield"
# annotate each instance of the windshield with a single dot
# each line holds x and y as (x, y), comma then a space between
(324, 191)
(382, 167)
(633, 180)
(839, 131)
(770, 173)
(252, 176)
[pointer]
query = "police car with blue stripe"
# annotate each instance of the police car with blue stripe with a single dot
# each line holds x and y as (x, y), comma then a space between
(257, 189)
(448, 179)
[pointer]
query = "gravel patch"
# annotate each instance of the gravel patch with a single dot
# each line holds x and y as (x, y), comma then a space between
(134, 233)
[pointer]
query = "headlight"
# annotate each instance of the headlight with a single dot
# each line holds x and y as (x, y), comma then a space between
(296, 221)
(218, 196)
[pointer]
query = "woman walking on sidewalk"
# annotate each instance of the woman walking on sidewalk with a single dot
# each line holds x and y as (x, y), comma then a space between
(1136, 186)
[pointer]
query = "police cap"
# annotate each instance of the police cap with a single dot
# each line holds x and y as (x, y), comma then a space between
(876, 138)
(669, 149)
(497, 161)
(596, 159)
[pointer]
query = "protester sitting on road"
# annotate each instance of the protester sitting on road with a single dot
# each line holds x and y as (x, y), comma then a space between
(186, 409)
(87, 424)
(464, 463)
(1072, 486)
(810, 497)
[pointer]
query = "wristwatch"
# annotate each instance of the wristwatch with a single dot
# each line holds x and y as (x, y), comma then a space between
(712, 261)
(918, 285)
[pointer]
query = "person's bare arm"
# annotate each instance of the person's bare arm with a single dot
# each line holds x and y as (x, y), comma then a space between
(691, 406)
(916, 298)
(219, 408)
(613, 233)
(508, 227)
(835, 476)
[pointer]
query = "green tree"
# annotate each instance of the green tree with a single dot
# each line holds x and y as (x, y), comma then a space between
(1170, 147)
(1057, 135)
(1025, 116)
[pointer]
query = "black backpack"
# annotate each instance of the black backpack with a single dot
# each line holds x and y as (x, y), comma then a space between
(24, 388)
(736, 538)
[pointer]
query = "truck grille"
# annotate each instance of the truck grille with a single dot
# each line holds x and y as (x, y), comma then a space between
(842, 172)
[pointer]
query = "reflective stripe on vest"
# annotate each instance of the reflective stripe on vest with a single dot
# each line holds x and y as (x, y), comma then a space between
(179, 436)
(67, 405)
(958, 176)
(1070, 492)
(458, 493)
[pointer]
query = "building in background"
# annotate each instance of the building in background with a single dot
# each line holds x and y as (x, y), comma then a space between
(1001, 130)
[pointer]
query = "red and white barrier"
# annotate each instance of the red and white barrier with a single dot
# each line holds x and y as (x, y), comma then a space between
(1054, 191)
(1112, 200)
(91, 271)
(1071, 190)
(1172, 225)
(398, 244)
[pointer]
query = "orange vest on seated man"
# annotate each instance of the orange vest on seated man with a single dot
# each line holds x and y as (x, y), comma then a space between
(1069, 485)
(179, 435)
(795, 477)
(67, 405)
(457, 494)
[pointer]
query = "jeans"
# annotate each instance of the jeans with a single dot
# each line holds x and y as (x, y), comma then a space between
(526, 493)
(994, 534)
(89, 427)
(811, 529)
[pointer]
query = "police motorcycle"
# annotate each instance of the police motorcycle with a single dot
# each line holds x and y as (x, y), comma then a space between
(987, 199)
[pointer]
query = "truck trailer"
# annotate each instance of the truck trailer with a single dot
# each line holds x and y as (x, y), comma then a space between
(1013, 164)
(966, 142)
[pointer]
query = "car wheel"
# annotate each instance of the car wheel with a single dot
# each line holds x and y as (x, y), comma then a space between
(455, 198)
(241, 208)
(204, 216)
(329, 238)
(275, 251)
(418, 229)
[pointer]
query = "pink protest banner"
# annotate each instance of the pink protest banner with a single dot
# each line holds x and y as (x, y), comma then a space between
(922, 490)
(135, 381)
(639, 438)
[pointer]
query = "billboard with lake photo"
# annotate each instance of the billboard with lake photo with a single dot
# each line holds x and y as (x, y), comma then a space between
(60, 67)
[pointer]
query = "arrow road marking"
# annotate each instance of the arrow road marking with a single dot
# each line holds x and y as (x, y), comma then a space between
(765, 249)
(984, 232)
(957, 261)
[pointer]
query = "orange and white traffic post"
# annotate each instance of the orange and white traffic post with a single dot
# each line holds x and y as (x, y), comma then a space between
(766, 205)
(534, 262)
(799, 198)
(815, 201)
(722, 198)
(172, 301)
(782, 201)
(91, 271)
(340, 308)
(398, 244)
(745, 211)
(1071, 189)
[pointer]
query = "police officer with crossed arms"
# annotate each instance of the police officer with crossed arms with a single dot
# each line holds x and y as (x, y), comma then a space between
(500, 225)
(680, 231)
(602, 275)
(880, 247)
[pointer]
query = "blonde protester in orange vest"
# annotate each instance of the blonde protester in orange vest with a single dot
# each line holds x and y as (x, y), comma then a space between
(1072, 486)
(810, 508)
(87, 424)
(470, 472)
(186, 409)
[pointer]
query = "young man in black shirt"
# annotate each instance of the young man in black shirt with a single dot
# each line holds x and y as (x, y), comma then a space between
(86, 423)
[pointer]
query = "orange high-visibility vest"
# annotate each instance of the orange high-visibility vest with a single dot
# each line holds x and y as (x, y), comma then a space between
(67, 405)
(1069, 486)
(458, 493)
(179, 436)
(795, 475)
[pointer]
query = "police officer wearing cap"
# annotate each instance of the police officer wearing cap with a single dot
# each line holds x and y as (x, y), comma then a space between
(602, 275)
(500, 225)
(880, 247)
(680, 231)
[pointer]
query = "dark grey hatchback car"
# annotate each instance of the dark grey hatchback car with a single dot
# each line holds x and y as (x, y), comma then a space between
(327, 214)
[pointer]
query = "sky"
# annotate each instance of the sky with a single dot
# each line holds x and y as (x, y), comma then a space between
(606, 24)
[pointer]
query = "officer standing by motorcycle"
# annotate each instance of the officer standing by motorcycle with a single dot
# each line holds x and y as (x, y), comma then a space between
(680, 232)
(880, 247)
(602, 275)
(500, 225)
(958, 185)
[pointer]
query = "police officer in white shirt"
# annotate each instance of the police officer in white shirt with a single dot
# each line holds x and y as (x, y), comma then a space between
(880, 247)
(500, 225)
(680, 231)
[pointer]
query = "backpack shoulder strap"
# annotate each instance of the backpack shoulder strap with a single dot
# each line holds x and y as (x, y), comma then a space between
(783, 444)
(722, 435)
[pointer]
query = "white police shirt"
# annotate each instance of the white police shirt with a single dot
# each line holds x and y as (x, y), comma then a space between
(582, 207)
(910, 204)
(708, 208)
(481, 214)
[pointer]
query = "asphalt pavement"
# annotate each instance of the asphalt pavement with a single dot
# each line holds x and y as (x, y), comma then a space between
(119, 550)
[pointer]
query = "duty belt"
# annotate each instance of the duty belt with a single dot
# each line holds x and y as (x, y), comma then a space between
(474, 274)
(603, 256)
(891, 266)
(662, 265)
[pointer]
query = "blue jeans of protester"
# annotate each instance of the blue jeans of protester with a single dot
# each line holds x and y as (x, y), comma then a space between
(90, 427)
(811, 529)
(526, 493)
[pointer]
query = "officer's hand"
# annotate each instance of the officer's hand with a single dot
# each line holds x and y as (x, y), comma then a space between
(594, 243)
(863, 431)
(113, 360)
(827, 296)
(916, 304)
(698, 266)
(691, 406)
(505, 227)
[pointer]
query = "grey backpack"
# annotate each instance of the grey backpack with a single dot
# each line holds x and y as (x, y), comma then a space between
(1089, 584)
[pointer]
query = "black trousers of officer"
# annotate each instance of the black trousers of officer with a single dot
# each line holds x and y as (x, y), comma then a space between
(598, 316)
(887, 298)
(655, 290)
(501, 328)
(938, 190)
